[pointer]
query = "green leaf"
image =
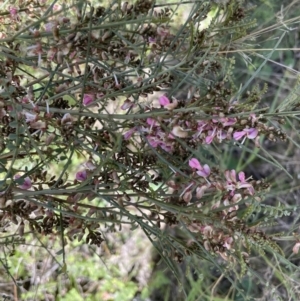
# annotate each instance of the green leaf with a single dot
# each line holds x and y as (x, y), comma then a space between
(14, 124)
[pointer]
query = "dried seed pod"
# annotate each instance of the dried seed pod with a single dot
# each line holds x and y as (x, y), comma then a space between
(78, 36)
(95, 34)
(55, 32)
(21, 229)
(271, 137)
(106, 35)
(104, 56)
(129, 8)
(60, 57)
(70, 37)
(14, 219)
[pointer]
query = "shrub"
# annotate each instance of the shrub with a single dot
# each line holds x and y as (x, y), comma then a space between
(115, 115)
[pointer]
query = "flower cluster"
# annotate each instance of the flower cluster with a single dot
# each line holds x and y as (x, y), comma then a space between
(27, 184)
(233, 189)
(163, 132)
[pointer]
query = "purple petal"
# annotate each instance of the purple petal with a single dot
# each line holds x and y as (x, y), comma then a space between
(153, 141)
(87, 99)
(229, 121)
(244, 185)
(209, 139)
(151, 121)
(194, 163)
(251, 190)
(206, 169)
(238, 135)
(211, 135)
(127, 105)
(26, 184)
(252, 133)
(167, 148)
(81, 175)
(233, 175)
(242, 177)
(151, 40)
(164, 100)
(129, 133)
(205, 172)
(230, 176)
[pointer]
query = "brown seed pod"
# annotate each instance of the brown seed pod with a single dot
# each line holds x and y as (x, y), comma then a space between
(60, 57)
(55, 32)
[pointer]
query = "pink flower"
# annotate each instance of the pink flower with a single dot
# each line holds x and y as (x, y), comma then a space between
(152, 122)
(26, 184)
(200, 127)
(129, 133)
(57, 7)
(211, 136)
(164, 100)
(248, 133)
(233, 184)
(194, 163)
(151, 40)
(88, 99)
(225, 121)
(202, 171)
(228, 121)
(167, 147)
(221, 135)
(296, 248)
(29, 117)
(153, 141)
(81, 175)
(205, 172)
(14, 13)
(167, 104)
(230, 176)
(127, 104)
